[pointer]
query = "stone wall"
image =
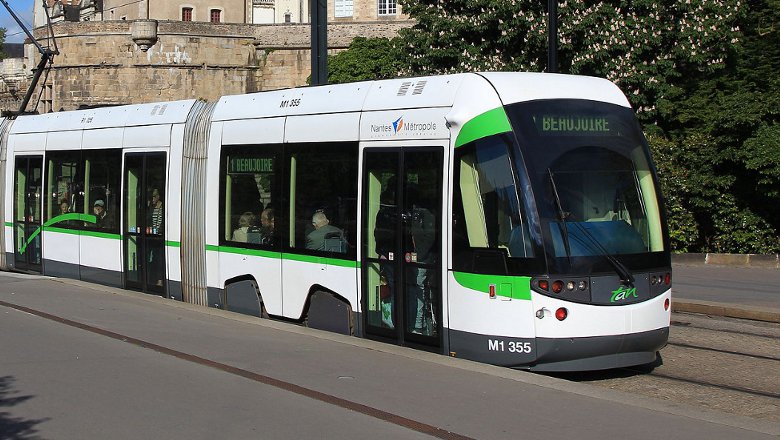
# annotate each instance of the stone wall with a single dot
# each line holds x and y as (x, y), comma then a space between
(99, 63)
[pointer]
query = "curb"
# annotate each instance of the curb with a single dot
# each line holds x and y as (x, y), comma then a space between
(771, 261)
(730, 311)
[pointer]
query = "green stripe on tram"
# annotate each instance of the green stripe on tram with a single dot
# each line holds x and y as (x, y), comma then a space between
(284, 256)
(87, 218)
(244, 251)
(175, 244)
(100, 235)
(515, 287)
(320, 260)
(9, 224)
(489, 123)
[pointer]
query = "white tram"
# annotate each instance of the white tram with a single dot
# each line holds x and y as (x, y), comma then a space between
(508, 218)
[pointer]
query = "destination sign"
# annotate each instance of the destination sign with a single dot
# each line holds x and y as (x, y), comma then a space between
(250, 165)
(572, 125)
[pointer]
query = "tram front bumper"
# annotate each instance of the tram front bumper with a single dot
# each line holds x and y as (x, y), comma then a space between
(599, 352)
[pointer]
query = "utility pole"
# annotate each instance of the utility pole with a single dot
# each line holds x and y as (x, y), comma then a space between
(319, 42)
(46, 54)
(552, 36)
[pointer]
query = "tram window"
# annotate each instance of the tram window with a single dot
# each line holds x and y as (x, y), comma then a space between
(65, 188)
(102, 171)
(77, 182)
(250, 196)
(323, 190)
(488, 211)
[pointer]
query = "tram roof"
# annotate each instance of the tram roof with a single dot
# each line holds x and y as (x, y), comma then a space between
(402, 93)
(158, 113)
(410, 93)
(519, 87)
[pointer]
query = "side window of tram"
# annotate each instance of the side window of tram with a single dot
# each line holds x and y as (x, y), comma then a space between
(102, 174)
(250, 196)
(65, 189)
(323, 188)
(85, 183)
(488, 212)
(27, 193)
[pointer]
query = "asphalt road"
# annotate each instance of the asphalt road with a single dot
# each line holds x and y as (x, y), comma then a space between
(79, 361)
(746, 286)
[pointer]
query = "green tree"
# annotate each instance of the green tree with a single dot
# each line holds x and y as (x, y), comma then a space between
(3, 32)
(737, 110)
(366, 59)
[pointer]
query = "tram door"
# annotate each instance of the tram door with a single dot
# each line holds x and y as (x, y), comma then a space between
(401, 249)
(27, 213)
(144, 228)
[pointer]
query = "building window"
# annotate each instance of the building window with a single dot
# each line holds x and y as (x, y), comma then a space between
(387, 7)
(344, 8)
(288, 17)
(216, 16)
(186, 14)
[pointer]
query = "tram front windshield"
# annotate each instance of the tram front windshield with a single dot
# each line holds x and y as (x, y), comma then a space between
(595, 191)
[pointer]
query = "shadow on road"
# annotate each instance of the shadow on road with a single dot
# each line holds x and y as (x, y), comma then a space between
(14, 428)
(614, 373)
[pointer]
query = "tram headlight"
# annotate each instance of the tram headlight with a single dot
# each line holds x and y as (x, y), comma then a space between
(582, 285)
(570, 285)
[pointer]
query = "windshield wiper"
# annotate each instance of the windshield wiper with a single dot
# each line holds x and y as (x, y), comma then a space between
(625, 275)
(561, 215)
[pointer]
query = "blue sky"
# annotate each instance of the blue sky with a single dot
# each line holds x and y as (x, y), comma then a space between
(23, 9)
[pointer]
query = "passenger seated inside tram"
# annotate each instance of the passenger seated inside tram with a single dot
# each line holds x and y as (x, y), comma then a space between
(246, 221)
(265, 234)
(324, 234)
(103, 218)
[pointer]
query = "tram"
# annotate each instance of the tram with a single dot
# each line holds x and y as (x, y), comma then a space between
(507, 218)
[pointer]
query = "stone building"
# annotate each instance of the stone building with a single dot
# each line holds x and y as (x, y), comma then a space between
(105, 61)
(216, 11)
(13, 76)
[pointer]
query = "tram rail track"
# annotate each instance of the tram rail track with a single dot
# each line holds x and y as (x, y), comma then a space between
(722, 330)
(718, 350)
(715, 385)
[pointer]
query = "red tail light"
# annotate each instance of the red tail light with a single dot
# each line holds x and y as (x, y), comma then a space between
(666, 304)
(557, 286)
(668, 279)
(561, 314)
(544, 285)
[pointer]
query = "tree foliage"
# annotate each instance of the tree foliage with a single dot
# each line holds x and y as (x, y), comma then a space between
(737, 111)
(366, 59)
(3, 32)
